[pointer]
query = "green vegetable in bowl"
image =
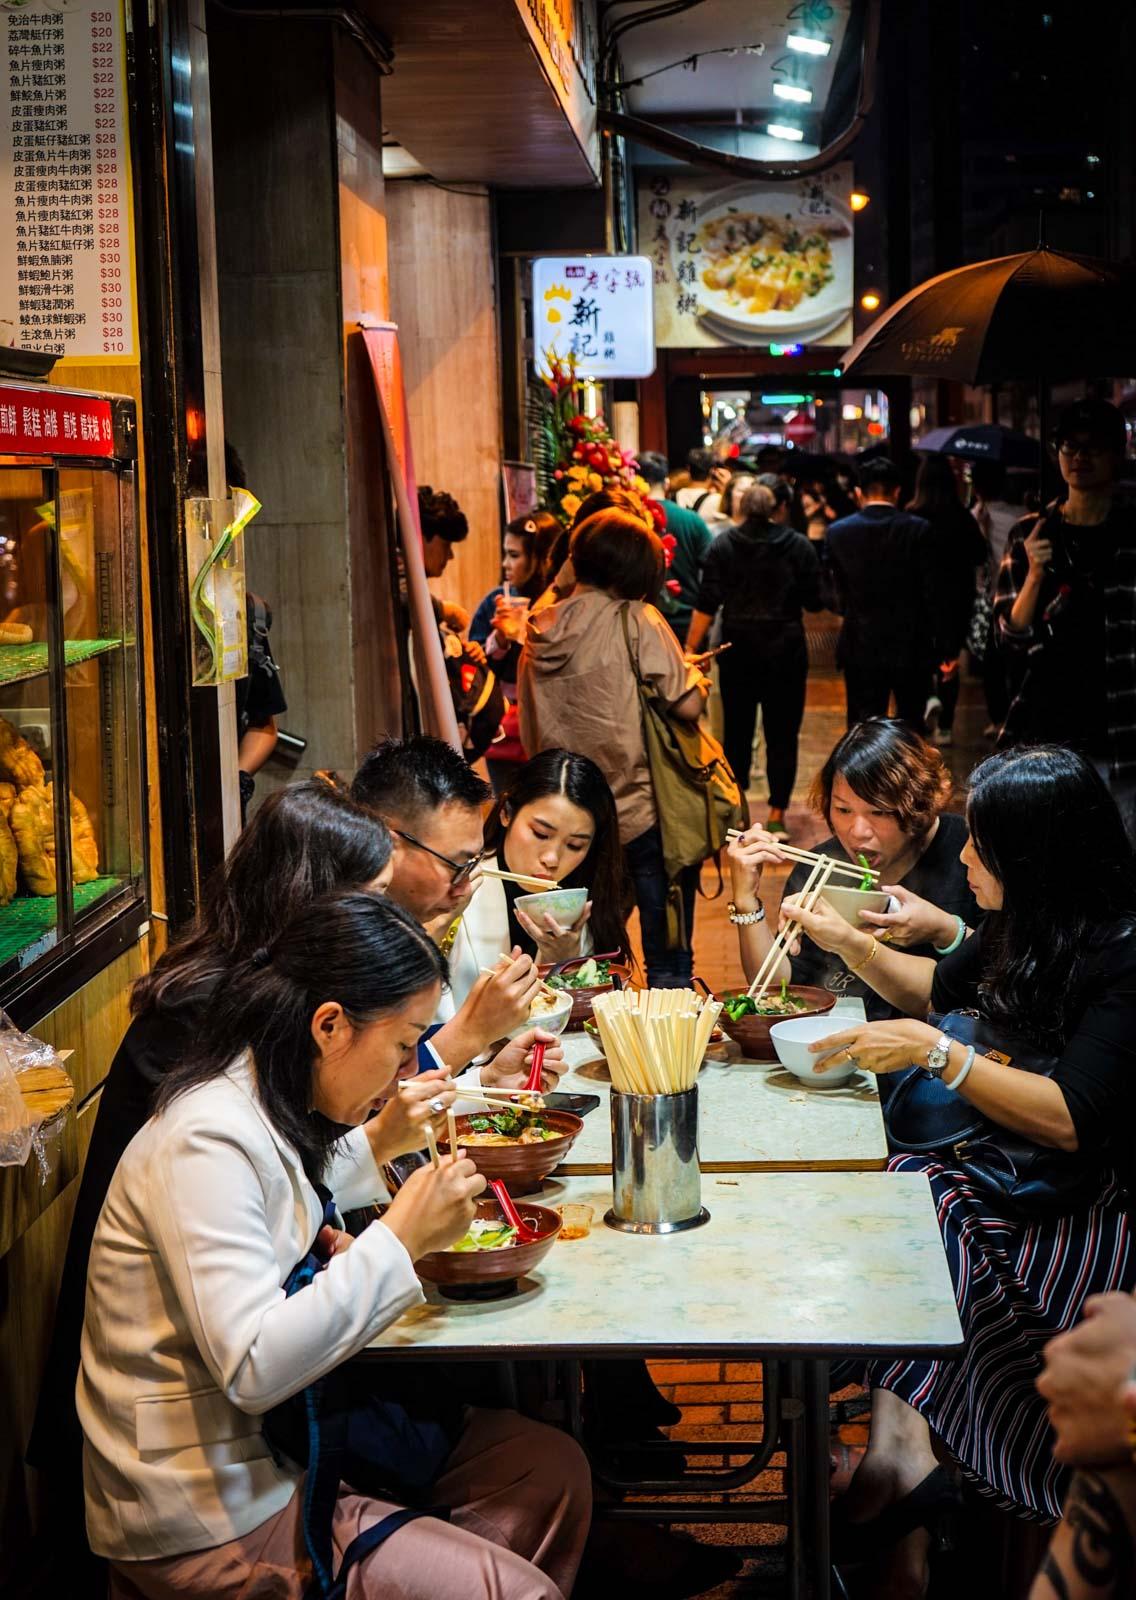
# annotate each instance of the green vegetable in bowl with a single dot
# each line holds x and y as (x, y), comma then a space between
(485, 1235)
(738, 1006)
(591, 975)
(867, 882)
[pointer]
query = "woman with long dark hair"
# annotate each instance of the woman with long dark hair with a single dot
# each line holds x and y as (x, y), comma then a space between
(579, 692)
(499, 625)
(960, 553)
(556, 819)
(1051, 977)
(301, 843)
(883, 792)
(189, 1338)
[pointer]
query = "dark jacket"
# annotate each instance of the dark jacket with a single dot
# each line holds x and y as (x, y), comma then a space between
(959, 550)
(883, 580)
(763, 577)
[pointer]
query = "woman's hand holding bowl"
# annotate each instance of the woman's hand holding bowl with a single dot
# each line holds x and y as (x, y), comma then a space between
(917, 921)
(400, 1126)
(435, 1206)
(553, 942)
(509, 1069)
(890, 1046)
(825, 927)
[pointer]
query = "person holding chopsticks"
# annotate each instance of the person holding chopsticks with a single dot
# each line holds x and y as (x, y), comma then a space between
(1026, 1139)
(192, 1340)
(882, 791)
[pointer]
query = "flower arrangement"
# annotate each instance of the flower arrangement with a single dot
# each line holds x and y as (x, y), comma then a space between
(576, 455)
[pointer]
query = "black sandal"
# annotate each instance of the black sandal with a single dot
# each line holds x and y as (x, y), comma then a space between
(928, 1506)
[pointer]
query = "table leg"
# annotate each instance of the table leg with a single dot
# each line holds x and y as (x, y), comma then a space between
(804, 1415)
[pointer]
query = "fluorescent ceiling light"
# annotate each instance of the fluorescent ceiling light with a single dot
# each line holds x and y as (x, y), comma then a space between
(808, 45)
(783, 130)
(792, 91)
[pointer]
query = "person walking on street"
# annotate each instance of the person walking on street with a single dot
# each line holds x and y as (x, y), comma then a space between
(1066, 605)
(692, 540)
(698, 493)
(762, 576)
(960, 554)
(882, 572)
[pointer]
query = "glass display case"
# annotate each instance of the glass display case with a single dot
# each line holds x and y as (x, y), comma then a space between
(72, 828)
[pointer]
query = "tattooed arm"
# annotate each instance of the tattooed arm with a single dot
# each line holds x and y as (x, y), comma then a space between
(1093, 1553)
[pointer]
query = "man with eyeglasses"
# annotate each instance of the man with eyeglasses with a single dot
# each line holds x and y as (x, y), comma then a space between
(1065, 604)
(432, 802)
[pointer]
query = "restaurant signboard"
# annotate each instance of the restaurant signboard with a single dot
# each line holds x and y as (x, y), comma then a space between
(597, 309)
(66, 234)
(753, 263)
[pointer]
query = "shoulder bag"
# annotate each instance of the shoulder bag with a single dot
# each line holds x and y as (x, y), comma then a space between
(696, 794)
(1025, 1179)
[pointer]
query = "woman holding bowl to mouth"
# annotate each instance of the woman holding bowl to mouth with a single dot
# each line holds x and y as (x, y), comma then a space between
(1052, 970)
(882, 792)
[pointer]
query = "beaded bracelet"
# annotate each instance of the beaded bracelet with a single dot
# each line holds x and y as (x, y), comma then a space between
(960, 935)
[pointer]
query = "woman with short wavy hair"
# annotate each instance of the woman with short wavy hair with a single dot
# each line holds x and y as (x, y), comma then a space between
(882, 791)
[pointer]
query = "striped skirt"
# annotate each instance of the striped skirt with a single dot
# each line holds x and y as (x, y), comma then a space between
(1017, 1284)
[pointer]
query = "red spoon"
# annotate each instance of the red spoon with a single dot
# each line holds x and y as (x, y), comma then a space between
(525, 1233)
(533, 1080)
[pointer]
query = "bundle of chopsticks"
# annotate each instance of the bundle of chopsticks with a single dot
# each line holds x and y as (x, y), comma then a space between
(849, 869)
(654, 1039)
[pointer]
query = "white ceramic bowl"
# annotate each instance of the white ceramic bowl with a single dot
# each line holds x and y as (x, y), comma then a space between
(564, 904)
(554, 1021)
(791, 1040)
(848, 903)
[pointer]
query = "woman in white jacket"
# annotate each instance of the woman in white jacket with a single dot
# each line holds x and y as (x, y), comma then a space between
(188, 1336)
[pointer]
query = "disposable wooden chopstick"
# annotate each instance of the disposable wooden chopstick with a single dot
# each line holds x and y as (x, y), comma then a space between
(780, 943)
(793, 853)
(793, 927)
(519, 877)
(452, 1125)
(432, 1146)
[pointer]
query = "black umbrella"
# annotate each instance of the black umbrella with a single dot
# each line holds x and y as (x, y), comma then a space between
(982, 441)
(1044, 315)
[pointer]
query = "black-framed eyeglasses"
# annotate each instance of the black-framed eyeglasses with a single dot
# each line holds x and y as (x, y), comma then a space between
(1081, 447)
(461, 871)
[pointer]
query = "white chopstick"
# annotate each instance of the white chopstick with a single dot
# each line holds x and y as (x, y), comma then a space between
(432, 1144)
(519, 877)
(809, 897)
(792, 853)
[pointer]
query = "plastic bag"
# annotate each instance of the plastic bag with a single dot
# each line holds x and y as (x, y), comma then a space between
(20, 1127)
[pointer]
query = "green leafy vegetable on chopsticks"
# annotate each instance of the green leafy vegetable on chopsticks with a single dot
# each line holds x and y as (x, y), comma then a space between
(868, 879)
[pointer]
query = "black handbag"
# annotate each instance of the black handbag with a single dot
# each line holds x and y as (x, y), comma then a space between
(923, 1117)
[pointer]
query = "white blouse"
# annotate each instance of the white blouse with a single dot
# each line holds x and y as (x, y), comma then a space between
(188, 1337)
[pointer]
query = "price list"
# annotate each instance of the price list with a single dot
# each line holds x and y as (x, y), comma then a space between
(66, 277)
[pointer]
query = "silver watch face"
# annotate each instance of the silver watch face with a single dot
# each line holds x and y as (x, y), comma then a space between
(938, 1056)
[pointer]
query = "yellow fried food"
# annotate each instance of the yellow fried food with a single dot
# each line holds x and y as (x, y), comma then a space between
(8, 793)
(15, 633)
(19, 763)
(33, 827)
(9, 860)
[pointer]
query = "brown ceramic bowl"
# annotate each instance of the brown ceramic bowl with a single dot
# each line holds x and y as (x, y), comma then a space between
(522, 1167)
(752, 1033)
(582, 998)
(480, 1273)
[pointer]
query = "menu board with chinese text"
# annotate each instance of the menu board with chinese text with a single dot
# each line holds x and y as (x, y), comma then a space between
(66, 235)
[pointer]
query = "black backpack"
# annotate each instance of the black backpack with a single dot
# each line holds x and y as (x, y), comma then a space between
(479, 700)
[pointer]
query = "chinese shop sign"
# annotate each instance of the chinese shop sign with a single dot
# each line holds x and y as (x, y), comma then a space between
(750, 263)
(66, 243)
(54, 422)
(599, 309)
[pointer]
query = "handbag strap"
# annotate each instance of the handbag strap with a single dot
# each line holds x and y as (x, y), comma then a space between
(632, 655)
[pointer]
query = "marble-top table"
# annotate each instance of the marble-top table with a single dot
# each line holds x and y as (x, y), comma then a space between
(790, 1264)
(753, 1116)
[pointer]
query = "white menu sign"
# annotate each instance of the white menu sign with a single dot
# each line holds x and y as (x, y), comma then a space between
(66, 239)
(598, 309)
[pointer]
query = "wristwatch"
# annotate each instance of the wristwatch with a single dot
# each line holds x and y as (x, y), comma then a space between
(744, 919)
(938, 1056)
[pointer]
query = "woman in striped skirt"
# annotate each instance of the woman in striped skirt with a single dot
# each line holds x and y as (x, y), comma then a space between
(1054, 963)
